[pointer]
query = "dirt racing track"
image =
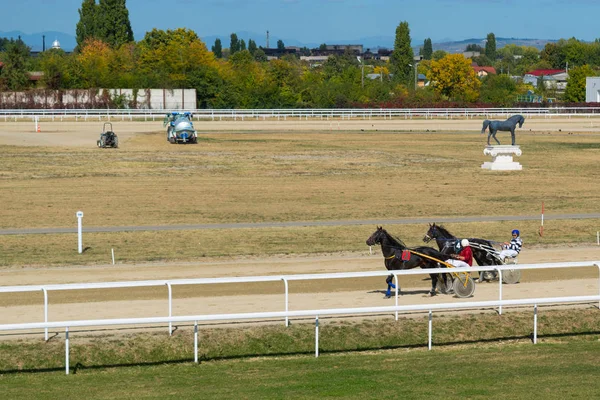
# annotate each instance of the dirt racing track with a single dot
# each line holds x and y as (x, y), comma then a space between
(265, 297)
(256, 297)
(85, 133)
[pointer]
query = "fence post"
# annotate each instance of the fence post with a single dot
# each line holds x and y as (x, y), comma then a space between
(67, 350)
(499, 290)
(430, 330)
(79, 215)
(45, 312)
(535, 309)
(196, 342)
(317, 336)
(397, 291)
(598, 265)
(170, 290)
(287, 319)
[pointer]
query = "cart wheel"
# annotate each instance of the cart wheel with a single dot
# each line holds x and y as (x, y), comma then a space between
(444, 284)
(98, 143)
(463, 286)
(441, 286)
(511, 276)
(116, 142)
(488, 276)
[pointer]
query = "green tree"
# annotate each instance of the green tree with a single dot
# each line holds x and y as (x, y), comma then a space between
(3, 43)
(14, 73)
(234, 44)
(541, 88)
(490, 47)
(217, 49)
(402, 58)
(305, 51)
(575, 91)
(454, 78)
(260, 56)
(427, 49)
(575, 53)
(252, 46)
(438, 55)
(242, 45)
(283, 76)
(280, 45)
(482, 61)
(499, 90)
(88, 25)
(123, 67)
(94, 61)
(114, 27)
(53, 63)
(553, 53)
(474, 47)
(166, 58)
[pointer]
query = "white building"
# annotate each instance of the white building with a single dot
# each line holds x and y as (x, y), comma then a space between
(592, 89)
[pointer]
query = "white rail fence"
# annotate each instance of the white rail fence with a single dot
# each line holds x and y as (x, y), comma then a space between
(285, 279)
(304, 313)
(396, 309)
(298, 114)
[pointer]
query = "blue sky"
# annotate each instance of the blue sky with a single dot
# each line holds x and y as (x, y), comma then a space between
(328, 21)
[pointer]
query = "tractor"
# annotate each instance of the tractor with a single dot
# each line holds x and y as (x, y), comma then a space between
(108, 138)
(180, 128)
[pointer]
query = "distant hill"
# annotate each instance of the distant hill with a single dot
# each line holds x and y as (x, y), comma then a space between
(36, 41)
(459, 47)
(68, 42)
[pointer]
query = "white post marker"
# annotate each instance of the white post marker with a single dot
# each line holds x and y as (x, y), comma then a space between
(542, 225)
(113, 255)
(79, 240)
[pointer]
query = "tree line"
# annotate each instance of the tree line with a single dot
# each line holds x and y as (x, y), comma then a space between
(241, 76)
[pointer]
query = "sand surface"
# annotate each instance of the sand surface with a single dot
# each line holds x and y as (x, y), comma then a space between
(259, 297)
(252, 297)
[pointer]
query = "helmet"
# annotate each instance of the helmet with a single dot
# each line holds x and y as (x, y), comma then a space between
(464, 243)
(516, 232)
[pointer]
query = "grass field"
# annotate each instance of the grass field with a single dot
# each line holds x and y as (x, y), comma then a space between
(265, 177)
(299, 176)
(495, 358)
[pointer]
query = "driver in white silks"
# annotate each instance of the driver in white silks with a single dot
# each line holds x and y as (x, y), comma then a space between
(512, 248)
(464, 258)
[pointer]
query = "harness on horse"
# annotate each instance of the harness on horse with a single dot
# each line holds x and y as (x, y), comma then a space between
(406, 257)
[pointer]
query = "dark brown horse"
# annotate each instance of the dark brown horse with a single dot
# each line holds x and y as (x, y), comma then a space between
(397, 256)
(483, 250)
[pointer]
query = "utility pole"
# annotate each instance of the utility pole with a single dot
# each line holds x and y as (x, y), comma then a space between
(362, 72)
(417, 59)
(416, 79)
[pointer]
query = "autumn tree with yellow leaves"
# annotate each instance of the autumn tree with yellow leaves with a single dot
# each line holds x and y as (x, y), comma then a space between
(454, 78)
(93, 60)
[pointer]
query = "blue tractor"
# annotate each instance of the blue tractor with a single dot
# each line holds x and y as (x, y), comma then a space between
(180, 128)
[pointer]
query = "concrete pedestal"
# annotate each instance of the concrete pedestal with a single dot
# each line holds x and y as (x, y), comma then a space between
(502, 158)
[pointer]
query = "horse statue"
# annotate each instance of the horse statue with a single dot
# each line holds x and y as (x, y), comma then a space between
(508, 125)
(397, 256)
(483, 250)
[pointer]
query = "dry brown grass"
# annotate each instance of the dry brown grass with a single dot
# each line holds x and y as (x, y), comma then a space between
(258, 177)
(168, 246)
